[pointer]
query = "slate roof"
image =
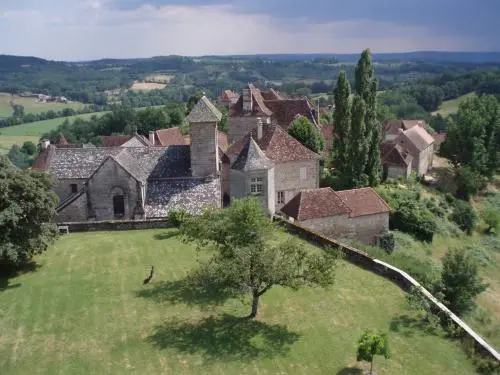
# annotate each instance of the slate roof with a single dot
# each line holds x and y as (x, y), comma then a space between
(204, 111)
(419, 137)
(277, 144)
(396, 155)
(315, 204)
(191, 195)
(363, 201)
(114, 140)
(252, 158)
(170, 137)
(142, 162)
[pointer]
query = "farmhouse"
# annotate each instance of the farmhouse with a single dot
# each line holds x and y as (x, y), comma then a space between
(357, 213)
(270, 106)
(406, 146)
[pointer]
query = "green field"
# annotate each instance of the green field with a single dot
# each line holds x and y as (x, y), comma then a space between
(31, 105)
(39, 128)
(449, 107)
(85, 310)
(6, 142)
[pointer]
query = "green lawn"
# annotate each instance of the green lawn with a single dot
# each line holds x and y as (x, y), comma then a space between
(85, 310)
(449, 107)
(7, 141)
(31, 105)
(39, 128)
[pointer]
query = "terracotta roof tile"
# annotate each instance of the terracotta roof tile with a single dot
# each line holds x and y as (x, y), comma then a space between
(62, 140)
(391, 127)
(396, 155)
(315, 204)
(419, 137)
(170, 137)
(257, 95)
(285, 111)
(222, 140)
(363, 201)
(277, 144)
(114, 140)
(271, 95)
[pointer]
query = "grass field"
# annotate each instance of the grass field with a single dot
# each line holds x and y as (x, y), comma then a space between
(31, 105)
(85, 310)
(39, 128)
(147, 86)
(449, 107)
(6, 142)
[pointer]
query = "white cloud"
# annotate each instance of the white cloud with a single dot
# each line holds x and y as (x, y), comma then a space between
(92, 29)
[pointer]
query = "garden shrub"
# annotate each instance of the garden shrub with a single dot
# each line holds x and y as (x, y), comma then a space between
(464, 216)
(177, 217)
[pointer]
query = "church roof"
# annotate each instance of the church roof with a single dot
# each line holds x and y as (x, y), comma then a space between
(204, 111)
(252, 158)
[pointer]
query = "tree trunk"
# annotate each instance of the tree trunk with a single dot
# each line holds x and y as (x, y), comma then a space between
(371, 367)
(255, 304)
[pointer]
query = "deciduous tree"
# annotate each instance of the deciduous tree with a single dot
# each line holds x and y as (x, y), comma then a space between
(306, 133)
(371, 344)
(246, 260)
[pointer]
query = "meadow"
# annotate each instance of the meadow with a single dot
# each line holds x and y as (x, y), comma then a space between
(84, 310)
(6, 142)
(31, 105)
(450, 107)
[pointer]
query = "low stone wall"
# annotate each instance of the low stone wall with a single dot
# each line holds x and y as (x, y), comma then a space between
(93, 226)
(401, 278)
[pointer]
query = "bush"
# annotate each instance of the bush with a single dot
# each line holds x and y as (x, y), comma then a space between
(386, 242)
(479, 255)
(177, 217)
(469, 183)
(491, 243)
(464, 216)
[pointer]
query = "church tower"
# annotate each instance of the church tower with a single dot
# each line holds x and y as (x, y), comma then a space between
(204, 118)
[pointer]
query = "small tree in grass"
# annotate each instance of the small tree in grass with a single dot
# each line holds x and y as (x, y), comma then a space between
(371, 344)
(246, 261)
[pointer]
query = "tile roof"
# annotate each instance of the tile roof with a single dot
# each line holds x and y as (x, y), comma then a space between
(229, 95)
(170, 137)
(277, 144)
(271, 95)
(287, 110)
(204, 111)
(396, 155)
(62, 140)
(142, 162)
(363, 201)
(222, 140)
(315, 204)
(191, 195)
(252, 158)
(419, 137)
(391, 127)
(42, 161)
(114, 140)
(259, 99)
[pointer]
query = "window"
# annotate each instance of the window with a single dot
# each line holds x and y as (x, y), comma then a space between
(303, 173)
(74, 188)
(256, 185)
(281, 197)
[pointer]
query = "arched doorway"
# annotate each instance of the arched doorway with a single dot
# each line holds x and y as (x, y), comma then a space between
(118, 205)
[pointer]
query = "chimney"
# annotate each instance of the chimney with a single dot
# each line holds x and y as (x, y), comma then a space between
(247, 100)
(152, 137)
(45, 143)
(259, 128)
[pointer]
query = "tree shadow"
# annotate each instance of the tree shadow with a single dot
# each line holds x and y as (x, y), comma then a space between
(194, 289)
(409, 325)
(350, 371)
(167, 235)
(225, 338)
(7, 273)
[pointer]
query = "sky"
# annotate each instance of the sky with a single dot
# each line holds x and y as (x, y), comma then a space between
(91, 29)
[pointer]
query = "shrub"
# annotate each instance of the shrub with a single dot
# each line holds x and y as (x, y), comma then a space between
(469, 182)
(177, 217)
(386, 242)
(464, 216)
(479, 255)
(492, 243)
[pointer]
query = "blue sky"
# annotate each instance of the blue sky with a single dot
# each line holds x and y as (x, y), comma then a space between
(88, 29)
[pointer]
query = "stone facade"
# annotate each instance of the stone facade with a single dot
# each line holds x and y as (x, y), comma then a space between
(241, 183)
(204, 150)
(75, 211)
(66, 187)
(239, 127)
(294, 176)
(395, 171)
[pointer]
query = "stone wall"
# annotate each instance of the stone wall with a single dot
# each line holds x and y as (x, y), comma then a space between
(240, 187)
(288, 178)
(75, 211)
(240, 126)
(368, 227)
(94, 226)
(394, 171)
(63, 187)
(109, 180)
(425, 160)
(204, 149)
(399, 277)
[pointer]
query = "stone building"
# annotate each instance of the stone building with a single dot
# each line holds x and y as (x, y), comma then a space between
(269, 163)
(269, 106)
(357, 213)
(415, 147)
(141, 181)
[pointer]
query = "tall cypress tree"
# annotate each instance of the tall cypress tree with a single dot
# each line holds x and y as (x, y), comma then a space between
(342, 121)
(358, 144)
(366, 87)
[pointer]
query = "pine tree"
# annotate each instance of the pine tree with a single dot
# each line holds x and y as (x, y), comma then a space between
(342, 121)
(366, 87)
(358, 145)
